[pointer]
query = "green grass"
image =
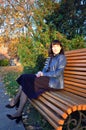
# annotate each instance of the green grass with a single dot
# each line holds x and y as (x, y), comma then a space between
(10, 83)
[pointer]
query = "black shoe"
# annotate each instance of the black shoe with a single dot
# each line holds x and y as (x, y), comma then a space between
(18, 118)
(16, 105)
(9, 106)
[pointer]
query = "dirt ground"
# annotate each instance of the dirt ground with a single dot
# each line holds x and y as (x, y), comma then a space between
(5, 70)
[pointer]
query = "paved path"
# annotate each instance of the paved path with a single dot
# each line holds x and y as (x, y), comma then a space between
(5, 123)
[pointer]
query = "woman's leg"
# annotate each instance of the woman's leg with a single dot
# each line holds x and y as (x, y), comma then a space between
(17, 97)
(23, 100)
(15, 101)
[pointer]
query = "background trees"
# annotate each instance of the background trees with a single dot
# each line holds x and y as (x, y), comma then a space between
(69, 18)
(24, 16)
(15, 16)
(36, 23)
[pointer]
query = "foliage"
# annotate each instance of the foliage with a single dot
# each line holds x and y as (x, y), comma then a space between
(4, 62)
(15, 16)
(70, 18)
(12, 49)
(32, 54)
(43, 21)
(77, 43)
(23, 17)
(42, 31)
(28, 52)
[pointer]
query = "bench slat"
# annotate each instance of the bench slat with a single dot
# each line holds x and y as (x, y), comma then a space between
(75, 92)
(76, 61)
(51, 114)
(64, 98)
(75, 65)
(76, 69)
(74, 84)
(80, 91)
(76, 57)
(72, 97)
(55, 109)
(75, 72)
(59, 99)
(74, 76)
(55, 102)
(53, 123)
(63, 107)
(75, 80)
(75, 97)
(77, 101)
(83, 50)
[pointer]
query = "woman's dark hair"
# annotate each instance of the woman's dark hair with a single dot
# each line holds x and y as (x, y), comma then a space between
(55, 42)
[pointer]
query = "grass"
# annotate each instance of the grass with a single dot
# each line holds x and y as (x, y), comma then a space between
(11, 84)
(9, 75)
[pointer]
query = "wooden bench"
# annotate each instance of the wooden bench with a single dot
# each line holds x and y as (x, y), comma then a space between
(66, 109)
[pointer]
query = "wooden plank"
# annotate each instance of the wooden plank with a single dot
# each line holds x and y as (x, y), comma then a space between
(75, 72)
(59, 128)
(76, 65)
(67, 100)
(75, 54)
(57, 103)
(77, 93)
(76, 69)
(75, 76)
(76, 51)
(84, 107)
(76, 61)
(55, 109)
(75, 80)
(72, 96)
(48, 112)
(76, 57)
(75, 84)
(82, 91)
(54, 95)
(53, 123)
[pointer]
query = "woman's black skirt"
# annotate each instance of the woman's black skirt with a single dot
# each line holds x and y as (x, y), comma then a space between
(33, 86)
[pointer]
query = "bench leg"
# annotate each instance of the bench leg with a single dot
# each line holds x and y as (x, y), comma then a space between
(75, 121)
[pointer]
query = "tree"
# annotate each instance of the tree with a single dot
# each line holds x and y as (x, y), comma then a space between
(15, 16)
(70, 19)
(43, 32)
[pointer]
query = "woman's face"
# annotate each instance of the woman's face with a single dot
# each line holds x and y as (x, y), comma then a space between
(56, 49)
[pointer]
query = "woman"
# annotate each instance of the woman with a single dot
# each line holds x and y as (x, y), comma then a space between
(50, 78)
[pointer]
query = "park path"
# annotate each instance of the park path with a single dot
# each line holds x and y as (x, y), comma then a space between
(5, 123)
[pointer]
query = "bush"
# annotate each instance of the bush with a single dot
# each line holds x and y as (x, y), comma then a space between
(4, 62)
(31, 52)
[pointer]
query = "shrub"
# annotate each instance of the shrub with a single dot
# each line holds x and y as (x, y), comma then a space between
(4, 62)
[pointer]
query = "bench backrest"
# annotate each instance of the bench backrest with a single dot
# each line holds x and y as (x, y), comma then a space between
(75, 72)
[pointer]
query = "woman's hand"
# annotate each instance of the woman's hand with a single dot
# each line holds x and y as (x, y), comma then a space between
(40, 73)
